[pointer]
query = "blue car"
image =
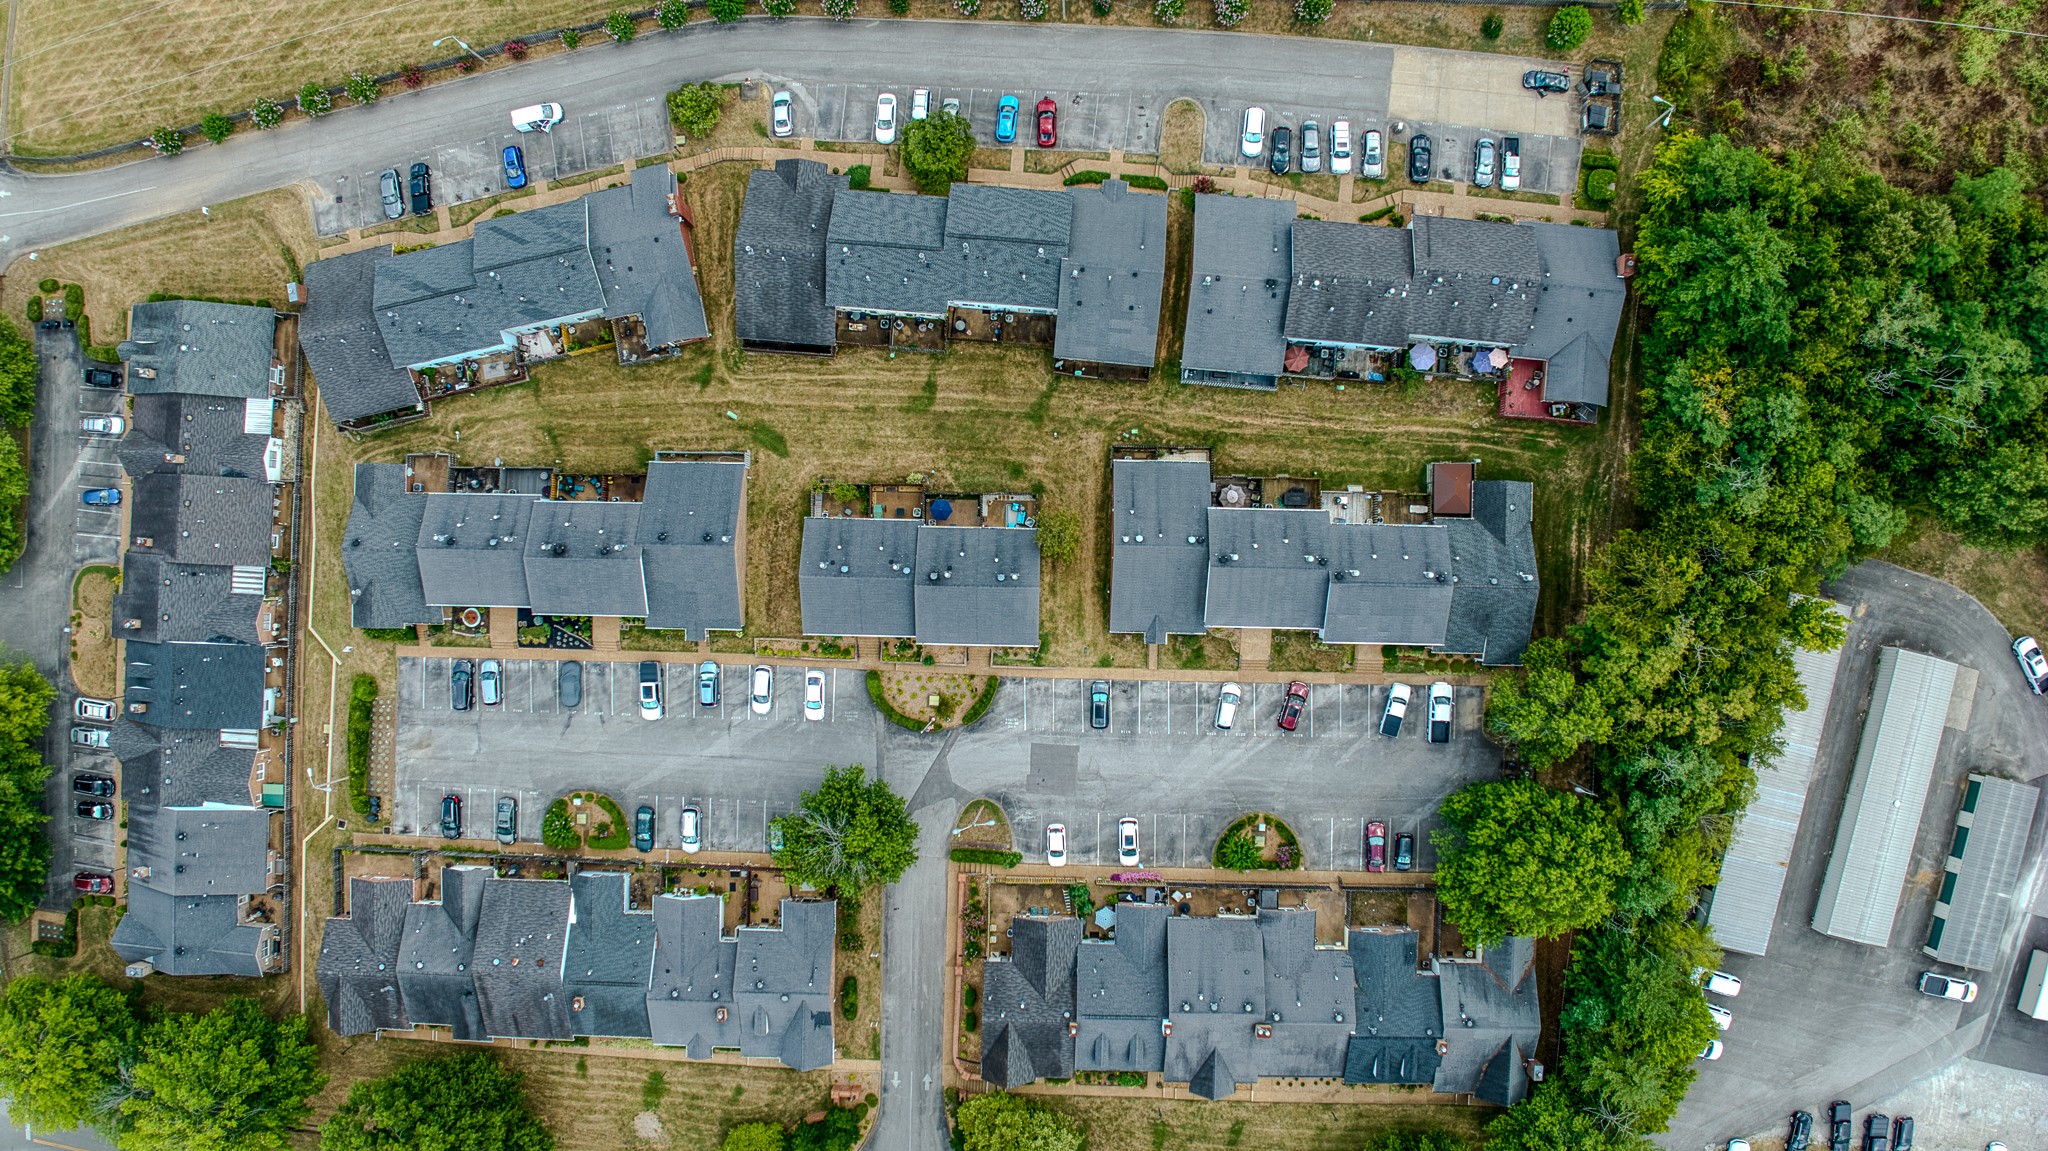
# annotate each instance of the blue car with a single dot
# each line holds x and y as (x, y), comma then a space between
(515, 167)
(1006, 120)
(102, 497)
(707, 683)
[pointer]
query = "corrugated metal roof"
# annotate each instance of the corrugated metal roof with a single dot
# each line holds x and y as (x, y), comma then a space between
(1987, 869)
(1894, 764)
(1753, 871)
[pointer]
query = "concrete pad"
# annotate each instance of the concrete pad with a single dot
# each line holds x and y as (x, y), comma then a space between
(1461, 87)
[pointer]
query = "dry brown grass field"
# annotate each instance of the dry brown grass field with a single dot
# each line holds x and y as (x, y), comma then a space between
(1191, 1125)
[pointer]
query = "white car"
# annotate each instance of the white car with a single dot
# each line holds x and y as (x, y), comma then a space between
(1713, 1049)
(1510, 171)
(1340, 148)
(1373, 165)
(1722, 983)
(1395, 711)
(1055, 845)
(95, 710)
(692, 830)
(1738, 1145)
(1723, 1018)
(780, 119)
(1252, 141)
(1440, 700)
(1482, 163)
(1127, 841)
(762, 696)
(650, 690)
(2033, 665)
(920, 103)
(814, 694)
(885, 118)
(537, 117)
(1226, 705)
(1942, 987)
(103, 425)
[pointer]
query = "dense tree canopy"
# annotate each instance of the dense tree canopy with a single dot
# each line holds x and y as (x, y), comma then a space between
(852, 832)
(998, 1121)
(25, 698)
(1519, 858)
(63, 1044)
(232, 1079)
(466, 1102)
(17, 377)
(936, 150)
(753, 1137)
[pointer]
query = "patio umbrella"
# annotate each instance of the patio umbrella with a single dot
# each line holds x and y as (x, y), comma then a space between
(1499, 356)
(1422, 357)
(1105, 917)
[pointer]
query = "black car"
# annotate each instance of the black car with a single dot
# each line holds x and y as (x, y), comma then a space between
(102, 378)
(93, 809)
(1877, 1133)
(1419, 158)
(1902, 1133)
(461, 685)
(643, 829)
(1404, 852)
(1277, 161)
(1802, 1132)
(1098, 704)
(422, 188)
(99, 785)
(569, 683)
(1539, 81)
(451, 816)
(1838, 1125)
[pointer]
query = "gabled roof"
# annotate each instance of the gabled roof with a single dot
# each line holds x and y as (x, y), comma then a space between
(339, 336)
(517, 272)
(1578, 308)
(610, 957)
(471, 548)
(199, 349)
(1113, 277)
(197, 686)
(1985, 856)
(1490, 1011)
(378, 551)
(581, 558)
(779, 255)
(875, 594)
(1238, 287)
(1215, 1078)
(1471, 281)
(1493, 555)
(642, 263)
(1120, 993)
(1157, 578)
(203, 519)
(203, 435)
(1026, 1002)
(209, 849)
(358, 964)
(170, 601)
(693, 583)
(435, 954)
(1265, 581)
(1398, 1009)
(772, 985)
(917, 254)
(162, 766)
(188, 935)
(522, 932)
(977, 586)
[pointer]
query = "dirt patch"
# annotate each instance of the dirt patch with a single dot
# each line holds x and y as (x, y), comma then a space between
(1201, 1125)
(95, 653)
(1303, 651)
(2012, 584)
(1379, 909)
(911, 693)
(1180, 137)
(647, 1125)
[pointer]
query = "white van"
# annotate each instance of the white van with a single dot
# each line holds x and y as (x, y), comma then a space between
(1253, 139)
(537, 117)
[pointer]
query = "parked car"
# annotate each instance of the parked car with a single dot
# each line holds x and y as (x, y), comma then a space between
(1340, 148)
(508, 820)
(1546, 82)
(569, 683)
(950, 106)
(762, 696)
(1291, 707)
(1226, 705)
(515, 166)
(1484, 157)
(537, 117)
(1404, 852)
(1839, 1114)
(1055, 845)
(707, 684)
(100, 785)
(1098, 704)
(1939, 986)
(93, 883)
(461, 683)
(1419, 158)
(1127, 841)
(1048, 122)
(1877, 1132)
(643, 828)
(1902, 1133)
(1737, 1144)
(1375, 846)
(451, 816)
(691, 831)
(1722, 983)
(102, 497)
(487, 683)
(1006, 120)
(1311, 146)
(102, 378)
(95, 737)
(650, 690)
(1252, 139)
(1713, 1049)
(95, 710)
(2033, 665)
(1510, 171)
(1440, 700)
(885, 118)
(1723, 1018)
(814, 694)
(1801, 1134)
(1374, 163)
(1395, 711)
(93, 809)
(103, 425)
(781, 115)
(1283, 144)
(920, 103)
(393, 189)
(420, 188)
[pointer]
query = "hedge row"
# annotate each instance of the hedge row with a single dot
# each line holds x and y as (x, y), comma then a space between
(1149, 183)
(1088, 176)
(987, 855)
(882, 704)
(362, 712)
(981, 706)
(621, 833)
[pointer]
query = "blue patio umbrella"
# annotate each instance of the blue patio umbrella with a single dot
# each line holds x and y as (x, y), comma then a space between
(942, 510)
(1422, 357)
(1105, 917)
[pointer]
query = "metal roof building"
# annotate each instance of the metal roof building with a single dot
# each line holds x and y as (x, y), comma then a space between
(1894, 763)
(1982, 870)
(1753, 870)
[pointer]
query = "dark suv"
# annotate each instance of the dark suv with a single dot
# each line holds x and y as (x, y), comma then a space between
(1283, 139)
(1802, 1132)
(1838, 1125)
(1902, 1133)
(451, 816)
(461, 683)
(422, 188)
(1877, 1133)
(1419, 158)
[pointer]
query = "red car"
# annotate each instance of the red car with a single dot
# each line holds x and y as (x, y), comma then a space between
(1375, 846)
(1048, 114)
(1290, 711)
(93, 883)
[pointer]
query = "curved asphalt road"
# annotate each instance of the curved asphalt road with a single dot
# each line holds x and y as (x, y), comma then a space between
(1232, 67)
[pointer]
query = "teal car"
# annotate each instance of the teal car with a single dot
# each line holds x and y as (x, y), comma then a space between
(1006, 120)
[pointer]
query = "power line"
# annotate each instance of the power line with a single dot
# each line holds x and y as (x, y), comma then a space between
(1881, 16)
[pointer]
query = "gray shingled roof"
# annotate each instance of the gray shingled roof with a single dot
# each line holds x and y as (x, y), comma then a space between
(522, 933)
(202, 435)
(200, 349)
(642, 262)
(693, 583)
(1113, 277)
(1441, 278)
(1493, 607)
(197, 686)
(876, 595)
(1490, 1012)
(581, 558)
(778, 255)
(202, 519)
(1120, 993)
(434, 957)
(170, 601)
(378, 551)
(339, 336)
(214, 849)
(187, 935)
(358, 964)
(1398, 1009)
(1578, 308)
(1157, 578)
(981, 244)
(1257, 574)
(169, 766)
(609, 959)
(977, 586)
(518, 272)
(1238, 288)
(1026, 1002)
(471, 549)
(772, 985)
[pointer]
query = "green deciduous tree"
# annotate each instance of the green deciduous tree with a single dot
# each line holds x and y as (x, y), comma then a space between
(466, 1102)
(1518, 858)
(167, 141)
(1431, 1140)
(1568, 28)
(63, 1044)
(265, 113)
(852, 832)
(314, 100)
(753, 1137)
(17, 377)
(936, 150)
(1059, 536)
(999, 1121)
(676, 13)
(216, 126)
(620, 27)
(25, 698)
(1630, 12)
(1549, 1120)
(232, 1079)
(695, 109)
(1546, 714)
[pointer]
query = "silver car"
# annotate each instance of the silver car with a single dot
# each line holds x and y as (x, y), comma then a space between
(1311, 146)
(394, 194)
(1482, 164)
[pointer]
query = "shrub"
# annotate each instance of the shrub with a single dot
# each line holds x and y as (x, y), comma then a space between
(557, 830)
(35, 309)
(412, 76)
(620, 27)
(362, 715)
(881, 701)
(967, 7)
(1229, 13)
(1031, 9)
(466, 65)
(570, 38)
(1312, 11)
(839, 9)
(1492, 26)
(516, 49)
(1089, 176)
(1155, 183)
(1104, 7)
(362, 88)
(1168, 11)
(899, 7)
(726, 11)
(167, 141)
(1600, 186)
(1599, 159)
(986, 855)
(48, 284)
(982, 704)
(778, 8)
(849, 997)
(859, 176)
(216, 126)
(265, 113)
(389, 634)
(614, 834)
(1568, 28)
(969, 997)
(314, 100)
(676, 13)
(1630, 11)
(970, 1022)
(695, 109)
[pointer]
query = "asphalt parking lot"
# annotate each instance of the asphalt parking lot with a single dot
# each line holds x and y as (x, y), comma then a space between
(1087, 121)
(473, 168)
(1162, 759)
